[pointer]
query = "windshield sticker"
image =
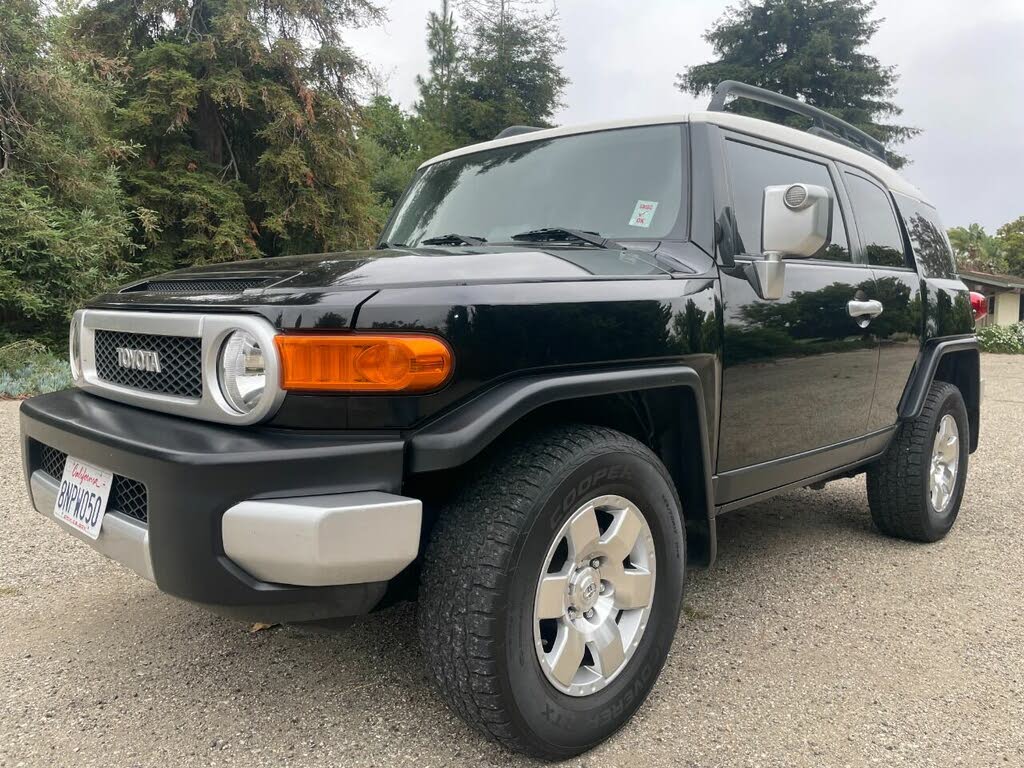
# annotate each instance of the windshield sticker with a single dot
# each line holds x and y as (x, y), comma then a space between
(643, 214)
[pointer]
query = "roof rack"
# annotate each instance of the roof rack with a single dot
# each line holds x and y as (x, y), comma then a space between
(515, 130)
(826, 125)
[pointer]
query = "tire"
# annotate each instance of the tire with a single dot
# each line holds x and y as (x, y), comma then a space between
(486, 557)
(899, 491)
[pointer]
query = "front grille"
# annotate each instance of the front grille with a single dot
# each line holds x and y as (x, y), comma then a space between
(236, 285)
(180, 371)
(127, 496)
(51, 461)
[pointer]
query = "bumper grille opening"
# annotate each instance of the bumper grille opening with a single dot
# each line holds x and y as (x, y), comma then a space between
(127, 496)
(179, 357)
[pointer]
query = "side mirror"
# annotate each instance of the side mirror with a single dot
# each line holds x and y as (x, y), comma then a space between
(796, 223)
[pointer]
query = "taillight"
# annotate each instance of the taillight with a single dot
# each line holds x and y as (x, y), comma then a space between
(363, 363)
(979, 305)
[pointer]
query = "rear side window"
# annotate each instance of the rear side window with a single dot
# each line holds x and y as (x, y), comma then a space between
(751, 169)
(927, 237)
(876, 222)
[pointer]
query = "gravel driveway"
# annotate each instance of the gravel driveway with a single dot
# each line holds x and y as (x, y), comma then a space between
(813, 641)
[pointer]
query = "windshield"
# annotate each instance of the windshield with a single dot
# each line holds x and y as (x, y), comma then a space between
(624, 184)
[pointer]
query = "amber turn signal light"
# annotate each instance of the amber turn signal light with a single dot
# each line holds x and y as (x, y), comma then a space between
(363, 362)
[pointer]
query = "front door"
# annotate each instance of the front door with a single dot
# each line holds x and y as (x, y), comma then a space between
(799, 372)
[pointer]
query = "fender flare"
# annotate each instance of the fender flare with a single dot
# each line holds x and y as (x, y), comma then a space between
(924, 373)
(459, 435)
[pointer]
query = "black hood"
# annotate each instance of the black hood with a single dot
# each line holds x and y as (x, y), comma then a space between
(339, 282)
(404, 267)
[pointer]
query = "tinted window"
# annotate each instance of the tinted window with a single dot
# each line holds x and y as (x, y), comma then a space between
(751, 169)
(927, 237)
(876, 222)
(624, 184)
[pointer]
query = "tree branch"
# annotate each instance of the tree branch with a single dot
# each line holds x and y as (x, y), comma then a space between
(231, 153)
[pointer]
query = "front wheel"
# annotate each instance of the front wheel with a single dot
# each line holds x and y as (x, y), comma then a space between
(551, 590)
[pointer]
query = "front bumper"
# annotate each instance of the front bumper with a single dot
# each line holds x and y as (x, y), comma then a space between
(230, 512)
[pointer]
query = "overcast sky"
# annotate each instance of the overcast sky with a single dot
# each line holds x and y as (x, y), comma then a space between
(960, 62)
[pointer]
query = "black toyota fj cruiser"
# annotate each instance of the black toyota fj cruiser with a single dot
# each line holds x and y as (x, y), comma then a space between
(572, 350)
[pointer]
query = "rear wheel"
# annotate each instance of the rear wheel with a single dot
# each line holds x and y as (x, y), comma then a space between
(551, 590)
(915, 490)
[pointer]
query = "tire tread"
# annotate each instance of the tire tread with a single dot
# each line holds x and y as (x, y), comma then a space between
(898, 506)
(469, 560)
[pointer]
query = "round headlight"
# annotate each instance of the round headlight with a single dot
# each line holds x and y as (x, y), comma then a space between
(243, 371)
(75, 347)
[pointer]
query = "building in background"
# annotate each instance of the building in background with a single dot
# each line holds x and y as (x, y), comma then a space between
(1003, 293)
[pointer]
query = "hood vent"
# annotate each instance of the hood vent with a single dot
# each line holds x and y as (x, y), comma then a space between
(209, 285)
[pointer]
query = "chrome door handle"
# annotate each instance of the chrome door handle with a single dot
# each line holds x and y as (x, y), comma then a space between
(869, 309)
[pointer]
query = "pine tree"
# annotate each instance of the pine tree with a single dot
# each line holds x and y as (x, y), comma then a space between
(64, 223)
(511, 76)
(438, 88)
(808, 49)
(245, 115)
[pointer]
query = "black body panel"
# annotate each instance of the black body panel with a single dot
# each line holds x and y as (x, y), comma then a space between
(799, 373)
(195, 471)
(504, 331)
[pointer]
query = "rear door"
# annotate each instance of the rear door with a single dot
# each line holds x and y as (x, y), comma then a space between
(896, 285)
(799, 372)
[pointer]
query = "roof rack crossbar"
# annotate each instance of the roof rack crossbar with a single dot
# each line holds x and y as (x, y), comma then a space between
(825, 125)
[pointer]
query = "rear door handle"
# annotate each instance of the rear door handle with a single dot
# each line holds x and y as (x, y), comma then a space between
(868, 309)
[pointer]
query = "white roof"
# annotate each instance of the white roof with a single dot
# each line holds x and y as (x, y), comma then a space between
(749, 125)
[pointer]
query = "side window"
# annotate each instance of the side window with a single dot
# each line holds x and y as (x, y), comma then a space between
(927, 237)
(876, 222)
(751, 169)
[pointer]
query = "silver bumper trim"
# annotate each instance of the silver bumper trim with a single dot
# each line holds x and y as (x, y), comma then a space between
(344, 538)
(121, 538)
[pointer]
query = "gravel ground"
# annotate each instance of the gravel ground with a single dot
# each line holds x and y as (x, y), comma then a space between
(813, 641)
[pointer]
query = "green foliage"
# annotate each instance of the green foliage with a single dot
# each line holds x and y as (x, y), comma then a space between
(28, 368)
(1011, 244)
(64, 225)
(808, 49)
(511, 76)
(245, 115)
(975, 249)
(438, 88)
(1002, 253)
(394, 144)
(501, 72)
(1002, 338)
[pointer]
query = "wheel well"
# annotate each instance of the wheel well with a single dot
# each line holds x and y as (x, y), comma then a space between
(962, 369)
(665, 420)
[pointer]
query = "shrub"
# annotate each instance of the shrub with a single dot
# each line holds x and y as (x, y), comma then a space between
(29, 368)
(1002, 338)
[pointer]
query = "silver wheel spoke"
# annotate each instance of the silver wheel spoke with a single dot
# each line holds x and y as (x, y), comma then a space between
(620, 538)
(597, 604)
(567, 655)
(583, 532)
(944, 464)
(606, 647)
(633, 589)
(551, 596)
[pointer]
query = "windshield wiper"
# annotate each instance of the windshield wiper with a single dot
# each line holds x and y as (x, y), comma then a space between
(453, 239)
(565, 235)
(386, 246)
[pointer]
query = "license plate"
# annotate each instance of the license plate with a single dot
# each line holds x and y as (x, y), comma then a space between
(82, 497)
